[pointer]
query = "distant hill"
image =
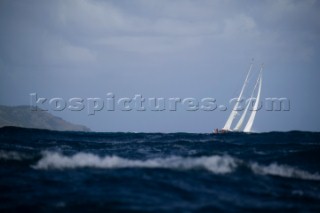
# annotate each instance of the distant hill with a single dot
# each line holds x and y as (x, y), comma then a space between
(22, 116)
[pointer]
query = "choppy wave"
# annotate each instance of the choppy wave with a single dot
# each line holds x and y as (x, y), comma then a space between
(215, 164)
(283, 171)
(11, 155)
(166, 172)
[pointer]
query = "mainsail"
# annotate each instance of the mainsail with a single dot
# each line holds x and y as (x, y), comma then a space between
(240, 122)
(234, 112)
(248, 126)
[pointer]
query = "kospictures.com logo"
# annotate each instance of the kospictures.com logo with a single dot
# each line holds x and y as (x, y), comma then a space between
(139, 103)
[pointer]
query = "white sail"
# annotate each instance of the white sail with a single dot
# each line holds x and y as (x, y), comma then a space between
(240, 122)
(234, 112)
(248, 127)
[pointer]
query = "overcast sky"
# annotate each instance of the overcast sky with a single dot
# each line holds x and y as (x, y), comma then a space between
(162, 49)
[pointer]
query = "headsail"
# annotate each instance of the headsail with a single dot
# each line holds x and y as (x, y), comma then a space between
(234, 112)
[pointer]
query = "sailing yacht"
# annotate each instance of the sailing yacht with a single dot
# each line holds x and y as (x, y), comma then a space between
(241, 125)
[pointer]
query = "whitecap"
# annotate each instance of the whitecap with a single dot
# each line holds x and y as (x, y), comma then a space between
(11, 155)
(215, 164)
(283, 171)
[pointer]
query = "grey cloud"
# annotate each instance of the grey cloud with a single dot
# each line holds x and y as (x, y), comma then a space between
(167, 48)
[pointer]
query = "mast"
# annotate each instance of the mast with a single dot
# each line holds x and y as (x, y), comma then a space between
(234, 112)
(248, 127)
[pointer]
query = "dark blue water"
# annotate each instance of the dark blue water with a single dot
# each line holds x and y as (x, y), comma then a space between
(47, 171)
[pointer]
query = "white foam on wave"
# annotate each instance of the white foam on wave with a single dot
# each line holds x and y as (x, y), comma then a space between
(215, 164)
(11, 155)
(283, 171)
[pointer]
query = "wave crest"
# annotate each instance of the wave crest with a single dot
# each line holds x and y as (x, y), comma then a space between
(215, 164)
(283, 171)
(11, 155)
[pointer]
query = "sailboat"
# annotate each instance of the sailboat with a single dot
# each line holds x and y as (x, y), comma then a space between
(241, 125)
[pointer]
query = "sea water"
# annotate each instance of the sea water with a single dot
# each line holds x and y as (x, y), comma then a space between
(49, 171)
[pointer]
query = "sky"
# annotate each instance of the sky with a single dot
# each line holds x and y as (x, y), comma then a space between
(169, 49)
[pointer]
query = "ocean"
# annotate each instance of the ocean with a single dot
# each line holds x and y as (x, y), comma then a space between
(50, 171)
